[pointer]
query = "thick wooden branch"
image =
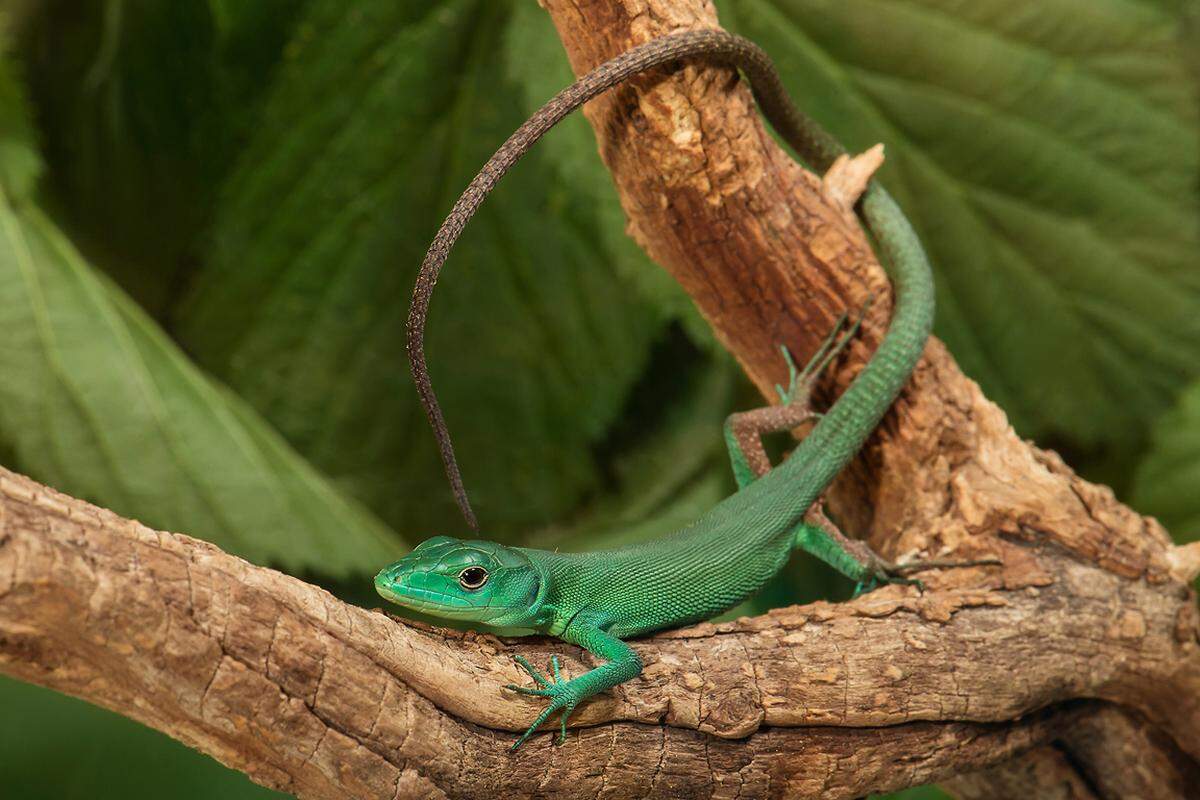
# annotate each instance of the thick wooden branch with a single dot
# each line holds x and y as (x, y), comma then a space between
(1079, 658)
(279, 679)
(1077, 767)
(1044, 772)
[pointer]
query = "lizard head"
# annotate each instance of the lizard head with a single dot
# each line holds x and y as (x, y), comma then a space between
(470, 580)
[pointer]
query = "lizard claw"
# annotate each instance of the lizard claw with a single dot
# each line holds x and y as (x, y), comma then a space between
(881, 571)
(800, 381)
(882, 578)
(533, 671)
(786, 396)
(562, 694)
(527, 690)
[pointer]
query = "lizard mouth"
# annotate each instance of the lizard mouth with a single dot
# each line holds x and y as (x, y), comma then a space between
(422, 598)
(428, 600)
(422, 591)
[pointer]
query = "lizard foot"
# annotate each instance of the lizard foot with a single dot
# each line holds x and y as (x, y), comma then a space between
(563, 697)
(800, 382)
(882, 578)
(880, 572)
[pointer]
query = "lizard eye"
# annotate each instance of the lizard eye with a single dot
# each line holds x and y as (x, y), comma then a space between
(472, 578)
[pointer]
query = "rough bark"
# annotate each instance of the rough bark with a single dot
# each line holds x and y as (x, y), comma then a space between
(1076, 766)
(1044, 772)
(1075, 662)
(277, 678)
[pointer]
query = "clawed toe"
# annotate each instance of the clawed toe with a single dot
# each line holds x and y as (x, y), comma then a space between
(537, 676)
(800, 381)
(556, 690)
(786, 396)
(887, 575)
(883, 573)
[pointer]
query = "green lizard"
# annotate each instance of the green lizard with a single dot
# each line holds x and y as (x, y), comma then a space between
(598, 599)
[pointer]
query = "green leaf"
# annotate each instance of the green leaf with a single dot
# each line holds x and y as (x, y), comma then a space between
(59, 748)
(1047, 154)
(20, 164)
(376, 123)
(915, 793)
(97, 402)
(143, 106)
(1168, 480)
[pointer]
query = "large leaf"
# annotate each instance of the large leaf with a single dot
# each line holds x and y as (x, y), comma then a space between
(20, 164)
(916, 793)
(143, 106)
(666, 462)
(1168, 481)
(97, 402)
(376, 123)
(1048, 157)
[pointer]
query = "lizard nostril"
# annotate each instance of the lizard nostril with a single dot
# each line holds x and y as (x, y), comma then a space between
(393, 573)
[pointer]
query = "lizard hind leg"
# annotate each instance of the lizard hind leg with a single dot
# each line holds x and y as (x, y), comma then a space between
(818, 536)
(744, 429)
(801, 383)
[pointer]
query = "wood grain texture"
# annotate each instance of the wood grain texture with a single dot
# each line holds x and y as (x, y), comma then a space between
(277, 678)
(1076, 661)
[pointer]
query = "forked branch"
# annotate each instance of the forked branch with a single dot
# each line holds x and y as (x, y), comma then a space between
(277, 678)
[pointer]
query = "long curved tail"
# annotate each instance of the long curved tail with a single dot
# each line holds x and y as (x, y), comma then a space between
(855, 414)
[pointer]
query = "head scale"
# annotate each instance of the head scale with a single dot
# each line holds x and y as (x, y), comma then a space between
(465, 579)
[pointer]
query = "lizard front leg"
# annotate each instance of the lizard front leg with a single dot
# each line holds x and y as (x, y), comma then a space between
(622, 664)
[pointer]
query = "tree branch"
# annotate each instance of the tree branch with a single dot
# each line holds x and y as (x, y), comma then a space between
(279, 679)
(1078, 766)
(1085, 640)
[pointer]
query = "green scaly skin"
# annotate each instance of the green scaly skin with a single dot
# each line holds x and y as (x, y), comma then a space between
(597, 599)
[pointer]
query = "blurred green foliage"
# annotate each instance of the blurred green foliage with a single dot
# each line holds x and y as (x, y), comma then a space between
(1168, 478)
(351, 166)
(211, 213)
